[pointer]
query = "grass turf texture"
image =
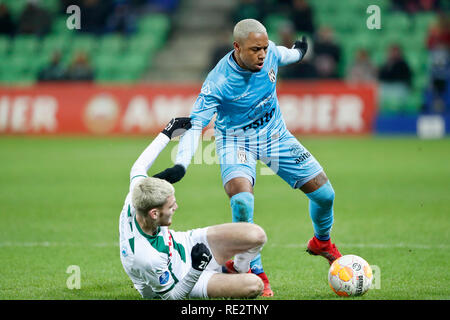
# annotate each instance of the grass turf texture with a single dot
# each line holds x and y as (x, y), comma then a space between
(61, 198)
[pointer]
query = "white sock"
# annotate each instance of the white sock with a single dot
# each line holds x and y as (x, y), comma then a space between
(242, 260)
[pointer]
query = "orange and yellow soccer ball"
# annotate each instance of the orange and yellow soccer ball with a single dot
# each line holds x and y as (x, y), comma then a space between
(350, 275)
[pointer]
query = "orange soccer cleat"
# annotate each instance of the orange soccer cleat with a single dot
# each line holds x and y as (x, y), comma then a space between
(325, 249)
(267, 292)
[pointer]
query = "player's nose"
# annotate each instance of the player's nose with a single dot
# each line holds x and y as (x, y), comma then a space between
(262, 55)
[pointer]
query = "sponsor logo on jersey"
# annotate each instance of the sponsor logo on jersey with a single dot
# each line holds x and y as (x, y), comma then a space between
(260, 107)
(164, 278)
(302, 157)
(272, 75)
(296, 150)
(261, 121)
(242, 156)
(206, 89)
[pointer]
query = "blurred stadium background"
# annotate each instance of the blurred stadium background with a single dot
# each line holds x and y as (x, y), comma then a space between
(178, 41)
(73, 101)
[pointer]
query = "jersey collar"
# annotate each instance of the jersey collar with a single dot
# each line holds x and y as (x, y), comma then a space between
(138, 227)
(233, 64)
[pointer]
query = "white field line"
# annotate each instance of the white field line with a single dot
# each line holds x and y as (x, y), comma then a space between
(400, 245)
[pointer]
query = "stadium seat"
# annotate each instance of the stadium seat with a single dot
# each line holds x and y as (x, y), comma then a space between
(414, 102)
(273, 22)
(24, 44)
(112, 43)
(417, 60)
(16, 7)
(54, 42)
(154, 23)
(135, 61)
(420, 81)
(51, 5)
(4, 45)
(144, 43)
(59, 26)
(86, 43)
(397, 22)
(424, 20)
(105, 61)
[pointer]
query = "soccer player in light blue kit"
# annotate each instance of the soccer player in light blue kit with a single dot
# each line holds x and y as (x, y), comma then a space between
(241, 91)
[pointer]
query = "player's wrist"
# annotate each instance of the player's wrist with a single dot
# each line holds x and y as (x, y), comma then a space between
(195, 273)
(177, 127)
(162, 137)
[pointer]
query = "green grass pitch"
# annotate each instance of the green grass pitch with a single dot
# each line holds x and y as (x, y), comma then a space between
(60, 200)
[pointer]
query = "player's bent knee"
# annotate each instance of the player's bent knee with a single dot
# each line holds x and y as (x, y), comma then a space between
(258, 235)
(328, 198)
(251, 286)
(324, 196)
(255, 286)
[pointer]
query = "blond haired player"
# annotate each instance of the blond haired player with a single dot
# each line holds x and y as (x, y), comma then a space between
(166, 264)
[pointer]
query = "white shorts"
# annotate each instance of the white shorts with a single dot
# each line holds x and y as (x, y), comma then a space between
(189, 239)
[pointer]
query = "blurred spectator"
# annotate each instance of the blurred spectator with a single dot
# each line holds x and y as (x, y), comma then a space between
(94, 14)
(167, 6)
(327, 53)
(34, 19)
(80, 69)
(395, 69)
(437, 95)
(224, 45)
(248, 9)
(54, 71)
(303, 70)
(362, 69)
(413, 6)
(395, 81)
(439, 33)
(122, 19)
(302, 16)
(7, 26)
(64, 4)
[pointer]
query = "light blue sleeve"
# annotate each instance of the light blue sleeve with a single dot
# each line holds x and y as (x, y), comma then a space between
(206, 104)
(204, 109)
(287, 56)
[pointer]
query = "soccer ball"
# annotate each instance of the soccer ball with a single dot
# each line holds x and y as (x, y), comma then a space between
(350, 275)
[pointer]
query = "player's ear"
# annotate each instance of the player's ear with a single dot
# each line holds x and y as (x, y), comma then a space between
(153, 213)
(236, 46)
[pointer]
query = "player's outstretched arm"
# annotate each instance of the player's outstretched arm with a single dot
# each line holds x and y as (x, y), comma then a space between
(174, 128)
(200, 256)
(293, 55)
(302, 46)
(204, 109)
(186, 150)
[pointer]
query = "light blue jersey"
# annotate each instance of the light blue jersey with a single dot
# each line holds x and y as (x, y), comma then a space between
(249, 124)
(244, 101)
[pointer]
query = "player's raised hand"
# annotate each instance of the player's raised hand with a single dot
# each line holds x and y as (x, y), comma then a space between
(177, 126)
(200, 256)
(302, 46)
(173, 174)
